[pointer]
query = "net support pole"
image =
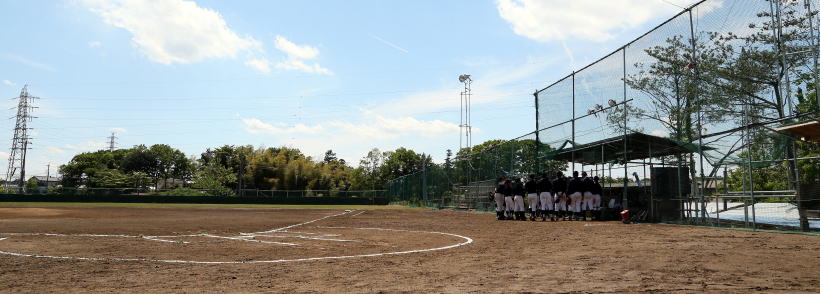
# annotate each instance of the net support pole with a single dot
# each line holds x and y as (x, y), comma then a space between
(573, 121)
(804, 222)
(815, 44)
(537, 160)
(424, 179)
(699, 101)
(625, 200)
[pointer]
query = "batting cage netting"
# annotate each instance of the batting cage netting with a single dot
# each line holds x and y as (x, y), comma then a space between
(709, 118)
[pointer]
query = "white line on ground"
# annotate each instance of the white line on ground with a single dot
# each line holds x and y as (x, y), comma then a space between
(305, 237)
(167, 241)
(466, 241)
(247, 240)
(304, 223)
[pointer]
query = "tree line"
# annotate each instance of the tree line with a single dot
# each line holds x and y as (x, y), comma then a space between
(226, 169)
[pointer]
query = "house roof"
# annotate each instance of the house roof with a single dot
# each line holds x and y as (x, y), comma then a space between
(808, 131)
(44, 178)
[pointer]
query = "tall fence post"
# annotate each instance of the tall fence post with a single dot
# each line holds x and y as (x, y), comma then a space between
(625, 200)
(537, 160)
(573, 121)
(699, 102)
(424, 181)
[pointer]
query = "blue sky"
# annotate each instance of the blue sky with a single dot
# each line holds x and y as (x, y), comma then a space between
(316, 75)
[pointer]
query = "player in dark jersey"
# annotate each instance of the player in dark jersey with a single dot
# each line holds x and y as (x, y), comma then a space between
(545, 197)
(597, 191)
(531, 188)
(518, 199)
(574, 188)
(508, 199)
(559, 188)
(498, 196)
(587, 185)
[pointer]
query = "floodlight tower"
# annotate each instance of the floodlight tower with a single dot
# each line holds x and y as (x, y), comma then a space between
(465, 127)
(20, 141)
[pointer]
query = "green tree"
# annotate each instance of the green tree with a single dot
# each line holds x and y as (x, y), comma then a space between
(86, 164)
(214, 178)
(31, 185)
(367, 175)
(402, 162)
(170, 162)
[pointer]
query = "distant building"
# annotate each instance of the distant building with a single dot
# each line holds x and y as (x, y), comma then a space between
(43, 182)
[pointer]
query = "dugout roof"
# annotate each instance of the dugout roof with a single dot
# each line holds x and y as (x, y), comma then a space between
(807, 131)
(611, 150)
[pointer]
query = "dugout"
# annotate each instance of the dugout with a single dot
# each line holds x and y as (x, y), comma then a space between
(664, 197)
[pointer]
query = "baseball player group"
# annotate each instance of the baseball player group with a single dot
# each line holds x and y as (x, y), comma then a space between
(559, 198)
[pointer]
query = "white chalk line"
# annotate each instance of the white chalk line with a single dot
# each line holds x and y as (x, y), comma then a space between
(173, 236)
(302, 224)
(168, 241)
(1, 239)
(303, 237)
(96, 235)
(250, 240)
(466, 241)
(363, 211)
(295, 232)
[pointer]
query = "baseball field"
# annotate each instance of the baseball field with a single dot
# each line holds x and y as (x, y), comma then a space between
(128, 248)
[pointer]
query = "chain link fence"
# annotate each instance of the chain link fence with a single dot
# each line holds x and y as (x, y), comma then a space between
(201, 195)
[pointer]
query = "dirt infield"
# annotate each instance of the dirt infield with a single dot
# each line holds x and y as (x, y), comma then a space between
(100, 249)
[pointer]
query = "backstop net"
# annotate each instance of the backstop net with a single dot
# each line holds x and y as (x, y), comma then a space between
(686, 123)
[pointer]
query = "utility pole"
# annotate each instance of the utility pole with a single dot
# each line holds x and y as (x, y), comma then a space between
(112, 143)
(20, 140)
(48, 173)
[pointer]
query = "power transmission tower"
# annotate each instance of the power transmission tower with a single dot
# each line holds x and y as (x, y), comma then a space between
(112, 143)
(20, 141)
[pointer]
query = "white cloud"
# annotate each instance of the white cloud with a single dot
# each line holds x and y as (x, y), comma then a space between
(262, 64)
(709, 6)
(378, 127)
(9, 83)
(119, 130)
(292, 64)
(94, 44)
(347, 138)
(296, 51)
(297, 55)
(55, 150)
(373, 127)
(174, 31)
(594, 20)
(256, 126)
